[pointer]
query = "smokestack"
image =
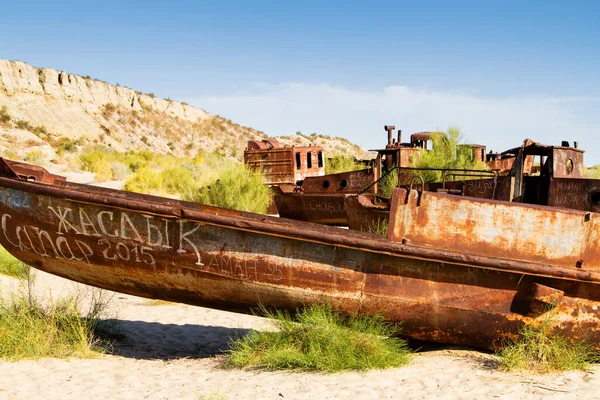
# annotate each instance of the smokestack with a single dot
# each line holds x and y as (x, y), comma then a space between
(399, 136)
(390, 131)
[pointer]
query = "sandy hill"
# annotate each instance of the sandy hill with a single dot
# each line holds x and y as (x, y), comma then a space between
(45, 113)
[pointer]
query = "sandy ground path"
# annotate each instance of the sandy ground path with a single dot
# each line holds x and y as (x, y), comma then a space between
(172, 351)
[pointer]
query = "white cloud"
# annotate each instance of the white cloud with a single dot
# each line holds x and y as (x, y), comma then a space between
(498, 122)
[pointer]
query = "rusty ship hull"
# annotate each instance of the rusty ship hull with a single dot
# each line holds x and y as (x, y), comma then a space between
(183, 252)
(326, 209)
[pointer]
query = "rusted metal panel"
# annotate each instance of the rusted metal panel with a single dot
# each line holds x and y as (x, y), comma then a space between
(28, 172)
(523, 232)
(328, 209)
(578, 194)
(367, 212)
(200, 255)
(344, 182)
(322, 199)
(283, 165)
(567, 163)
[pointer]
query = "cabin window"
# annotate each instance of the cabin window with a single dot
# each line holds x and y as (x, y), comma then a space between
(569, 166)
(320, 158)
(482, 159)
(298, 161)
(596, 199)
(309, 159)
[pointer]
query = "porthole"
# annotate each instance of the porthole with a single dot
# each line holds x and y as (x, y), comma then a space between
(596, 198)
(325, 184)
(344, 183)
(569, 166)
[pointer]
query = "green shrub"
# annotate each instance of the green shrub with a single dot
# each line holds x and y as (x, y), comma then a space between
(66, 145)
(11, 155)
(32, 330)
(35, 157)
(339, 164)
(236, 188)
(11, 266)
(179, 180)
(447, 152)
(146, 180)
(24, 125)
(4, 115)
(40, 130)
(322, 340)
(388, 182)
(98, 162)
(538, 350)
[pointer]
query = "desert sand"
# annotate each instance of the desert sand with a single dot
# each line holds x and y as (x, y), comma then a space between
(173, 351)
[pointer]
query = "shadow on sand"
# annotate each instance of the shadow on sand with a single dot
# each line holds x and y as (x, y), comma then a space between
(157, 341)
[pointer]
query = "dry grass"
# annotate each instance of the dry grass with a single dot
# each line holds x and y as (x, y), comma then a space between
(539, 350)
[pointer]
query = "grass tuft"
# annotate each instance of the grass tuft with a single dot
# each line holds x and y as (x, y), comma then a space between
(11, 266)
(538, 350)
(31, 329)
(378, 226)
(320, 339)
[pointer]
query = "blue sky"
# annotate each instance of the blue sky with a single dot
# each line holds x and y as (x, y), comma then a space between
(501, 71)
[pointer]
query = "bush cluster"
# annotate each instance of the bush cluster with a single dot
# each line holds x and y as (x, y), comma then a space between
(208, 178)
(237, 188)
(319, 339)
(447, 152)
(340, 164)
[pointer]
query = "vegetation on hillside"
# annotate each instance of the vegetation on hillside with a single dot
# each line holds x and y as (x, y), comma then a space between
(207, 178)
(320, 339)
(4, 115)
(163, 133)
